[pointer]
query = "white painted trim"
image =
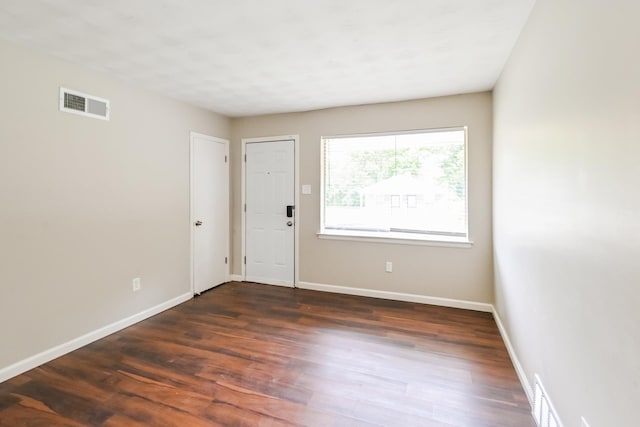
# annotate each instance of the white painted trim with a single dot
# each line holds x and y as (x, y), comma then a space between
(394, 132)
(236, 278)
(192, 220)
(62, 349)
(430, 241)
(270, 138)
(296, 200)
(399, 296)
(528, 390)
(296, 211)
(243, 212)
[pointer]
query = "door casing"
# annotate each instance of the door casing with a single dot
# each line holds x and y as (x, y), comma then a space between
(296, 211)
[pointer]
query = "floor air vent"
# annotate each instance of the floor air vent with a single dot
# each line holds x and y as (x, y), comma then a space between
(75, 102)
(543, 411)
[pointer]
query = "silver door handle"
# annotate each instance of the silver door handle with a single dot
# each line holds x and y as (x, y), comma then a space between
(198, 223)
(289, 223)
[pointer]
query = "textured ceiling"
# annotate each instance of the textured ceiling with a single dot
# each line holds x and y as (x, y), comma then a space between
(248, 57)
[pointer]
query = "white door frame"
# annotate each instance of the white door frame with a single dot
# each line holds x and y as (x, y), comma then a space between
(296, 199)
(192, 136)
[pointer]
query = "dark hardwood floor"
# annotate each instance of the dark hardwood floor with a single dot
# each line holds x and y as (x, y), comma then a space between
(255, 355)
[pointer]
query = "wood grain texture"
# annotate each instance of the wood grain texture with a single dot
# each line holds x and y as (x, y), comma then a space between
(245, 354)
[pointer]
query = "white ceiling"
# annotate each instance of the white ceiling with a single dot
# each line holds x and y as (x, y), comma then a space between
(249, 57)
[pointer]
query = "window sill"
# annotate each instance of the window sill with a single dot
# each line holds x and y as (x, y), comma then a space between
(396, 238)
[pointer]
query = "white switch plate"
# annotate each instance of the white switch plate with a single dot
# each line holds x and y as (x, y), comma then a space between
(306, 189)
(136, 284)
(388, 267)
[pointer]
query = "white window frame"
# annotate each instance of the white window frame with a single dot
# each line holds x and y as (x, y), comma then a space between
(396, 237)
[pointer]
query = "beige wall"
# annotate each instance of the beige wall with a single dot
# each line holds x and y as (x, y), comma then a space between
(430, 271)
(86, 204)
(567, 205)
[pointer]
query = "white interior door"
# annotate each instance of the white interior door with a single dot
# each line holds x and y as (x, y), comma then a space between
(209, 211)
(269, 224)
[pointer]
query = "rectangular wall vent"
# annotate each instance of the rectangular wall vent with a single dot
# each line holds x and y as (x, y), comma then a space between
(75, 102)
(543, 411)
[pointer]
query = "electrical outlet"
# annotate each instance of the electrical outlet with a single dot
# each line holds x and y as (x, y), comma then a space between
(136, 284)
(388, 267)
(583, 422)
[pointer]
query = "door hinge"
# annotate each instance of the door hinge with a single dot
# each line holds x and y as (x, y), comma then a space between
(226, 260)
(245, 207)
(245, 259)
(245, 158)
(225, 159)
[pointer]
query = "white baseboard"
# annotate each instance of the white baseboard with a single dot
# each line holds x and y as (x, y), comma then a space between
(62, 349)
(398, 296)
(236, 278)
(514, 358)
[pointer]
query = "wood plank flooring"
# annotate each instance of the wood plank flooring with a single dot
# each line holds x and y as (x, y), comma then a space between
(245, 354)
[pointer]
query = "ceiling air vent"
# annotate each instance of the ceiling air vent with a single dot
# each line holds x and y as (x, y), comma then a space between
(75, 102)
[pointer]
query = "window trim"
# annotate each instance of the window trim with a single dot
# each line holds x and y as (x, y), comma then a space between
(395, 237)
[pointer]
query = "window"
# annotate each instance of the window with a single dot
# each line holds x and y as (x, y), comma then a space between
(402, 185)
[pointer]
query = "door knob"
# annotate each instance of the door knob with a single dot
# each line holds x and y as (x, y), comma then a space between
(198, 223)
(289, 223)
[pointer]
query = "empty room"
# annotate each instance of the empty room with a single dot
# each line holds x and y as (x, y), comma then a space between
(319, 213)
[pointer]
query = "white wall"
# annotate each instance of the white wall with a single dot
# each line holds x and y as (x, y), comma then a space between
(566, 206)
(86, 205)
(457, 273)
